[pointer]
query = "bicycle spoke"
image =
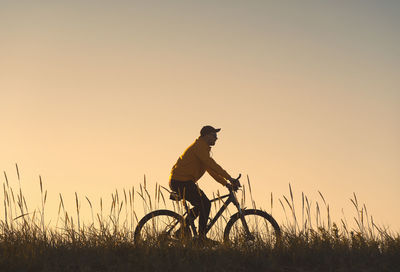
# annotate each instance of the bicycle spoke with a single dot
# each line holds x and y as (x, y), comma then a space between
(260, 230)
(160, 226)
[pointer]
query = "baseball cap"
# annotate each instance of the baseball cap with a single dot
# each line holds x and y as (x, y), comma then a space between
(208, 129)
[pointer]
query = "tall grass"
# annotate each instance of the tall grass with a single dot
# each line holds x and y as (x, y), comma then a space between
(311, 240)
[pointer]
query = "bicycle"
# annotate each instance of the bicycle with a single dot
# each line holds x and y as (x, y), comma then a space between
(247, 225)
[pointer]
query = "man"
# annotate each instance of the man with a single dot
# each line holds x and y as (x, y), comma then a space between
(190, 167)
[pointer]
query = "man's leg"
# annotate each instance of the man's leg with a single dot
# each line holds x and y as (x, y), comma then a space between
(204, 214)
(182, 187)
(198, 199)
(202, 206)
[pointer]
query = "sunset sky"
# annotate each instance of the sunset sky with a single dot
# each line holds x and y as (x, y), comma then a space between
(96, 94)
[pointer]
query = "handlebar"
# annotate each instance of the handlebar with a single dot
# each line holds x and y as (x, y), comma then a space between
(236, 184)
(237, 179)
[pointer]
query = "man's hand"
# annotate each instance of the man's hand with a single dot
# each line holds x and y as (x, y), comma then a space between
(234, 184)
(232, 187)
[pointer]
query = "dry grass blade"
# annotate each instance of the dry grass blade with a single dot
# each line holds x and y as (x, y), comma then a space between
(323, 199)
(329, 218)
(43, 201)
(288, 203)
(272, 203)
(355, 198)
(41, 184)
(148, 198)
(5, 176)
(20, 216)
(291, 193)
(308, 211)
(91, 208)
(26, 206)
(62, 202)
(293, 208)
(77, 211)
(293, 226)
(253, 203)
(5, 205)
(284, 210)
(302, 212)
(18, 176)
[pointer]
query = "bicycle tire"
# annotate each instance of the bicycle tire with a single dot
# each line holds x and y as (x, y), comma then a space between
(172, 221)
(268, 232)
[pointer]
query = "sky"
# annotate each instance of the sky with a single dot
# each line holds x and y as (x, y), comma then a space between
(96, 94)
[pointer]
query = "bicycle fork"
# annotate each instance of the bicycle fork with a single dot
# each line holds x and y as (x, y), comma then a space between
(244, 223)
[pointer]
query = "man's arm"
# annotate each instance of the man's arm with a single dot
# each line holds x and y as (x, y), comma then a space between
(217, 177)
(204, 155)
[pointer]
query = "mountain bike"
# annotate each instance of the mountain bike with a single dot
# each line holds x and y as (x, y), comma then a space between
(247, 225)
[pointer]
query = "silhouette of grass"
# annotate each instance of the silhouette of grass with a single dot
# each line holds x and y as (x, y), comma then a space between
(27, 243)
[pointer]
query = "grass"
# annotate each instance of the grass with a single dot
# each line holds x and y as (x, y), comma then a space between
(103, 242)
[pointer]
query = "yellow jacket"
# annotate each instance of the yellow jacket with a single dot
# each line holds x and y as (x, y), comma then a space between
(193, 163)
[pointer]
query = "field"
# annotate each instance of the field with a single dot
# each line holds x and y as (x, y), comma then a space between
(105, 243)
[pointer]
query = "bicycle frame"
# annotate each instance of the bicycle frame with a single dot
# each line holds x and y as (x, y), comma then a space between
(231, 199)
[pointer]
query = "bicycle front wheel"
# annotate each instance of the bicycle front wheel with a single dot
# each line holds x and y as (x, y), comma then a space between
(161, 226)
(259, 228)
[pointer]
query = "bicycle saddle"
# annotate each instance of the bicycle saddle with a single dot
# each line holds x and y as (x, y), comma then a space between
(175, 196)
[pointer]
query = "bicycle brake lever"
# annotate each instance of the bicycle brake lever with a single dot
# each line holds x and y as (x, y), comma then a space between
(238, 182)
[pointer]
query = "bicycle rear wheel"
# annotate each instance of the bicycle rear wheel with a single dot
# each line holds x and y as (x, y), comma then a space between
(161, 226)
(263, 229)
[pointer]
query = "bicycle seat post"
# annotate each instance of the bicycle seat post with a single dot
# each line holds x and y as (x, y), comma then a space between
(177, 197)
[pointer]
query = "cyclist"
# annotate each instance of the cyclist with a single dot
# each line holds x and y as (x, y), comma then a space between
(190, 167)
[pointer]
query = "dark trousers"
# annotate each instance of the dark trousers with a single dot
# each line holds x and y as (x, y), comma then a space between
(192, 193)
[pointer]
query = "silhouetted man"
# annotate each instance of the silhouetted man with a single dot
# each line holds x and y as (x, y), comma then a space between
(190, 167)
